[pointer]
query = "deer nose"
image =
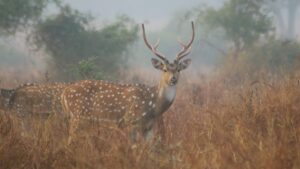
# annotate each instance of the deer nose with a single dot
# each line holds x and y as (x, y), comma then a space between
(173, 79)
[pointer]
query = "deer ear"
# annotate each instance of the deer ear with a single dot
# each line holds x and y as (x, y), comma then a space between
(185, 63)
(157, 64)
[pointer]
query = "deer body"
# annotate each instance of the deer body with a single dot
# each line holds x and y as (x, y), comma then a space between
(42, 99)
(126, 105)
(136, 106)
(7, 95)
(32, 99)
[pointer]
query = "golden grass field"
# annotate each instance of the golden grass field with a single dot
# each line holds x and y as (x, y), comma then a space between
(215, 123)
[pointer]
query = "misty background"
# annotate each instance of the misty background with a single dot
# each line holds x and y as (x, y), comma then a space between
(64, 40)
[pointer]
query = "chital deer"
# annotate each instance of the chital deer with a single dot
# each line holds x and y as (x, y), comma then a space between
(135, 105)
(32, 99)
(7, 95)
(36, 99)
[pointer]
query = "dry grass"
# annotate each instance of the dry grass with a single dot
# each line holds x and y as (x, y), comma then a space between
(212, 125)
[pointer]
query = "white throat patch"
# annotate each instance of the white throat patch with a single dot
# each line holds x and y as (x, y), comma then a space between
(168, 93)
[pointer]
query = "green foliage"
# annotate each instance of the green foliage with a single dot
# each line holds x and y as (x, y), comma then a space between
(68, 38)
(87, 69)
(18, 13)
(61, 34)
(244, 21)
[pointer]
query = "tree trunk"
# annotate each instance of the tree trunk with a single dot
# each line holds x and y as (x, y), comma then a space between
(275, 7)
(291, 21)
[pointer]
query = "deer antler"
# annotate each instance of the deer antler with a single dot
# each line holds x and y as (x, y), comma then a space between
(151, 47)
(186, 48)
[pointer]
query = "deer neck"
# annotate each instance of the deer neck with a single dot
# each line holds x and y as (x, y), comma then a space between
(165, 97)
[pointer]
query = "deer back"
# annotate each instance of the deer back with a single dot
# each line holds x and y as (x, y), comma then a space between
(37, 99)
(100, 101)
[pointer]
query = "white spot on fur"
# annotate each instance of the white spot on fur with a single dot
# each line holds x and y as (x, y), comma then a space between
(153, 105)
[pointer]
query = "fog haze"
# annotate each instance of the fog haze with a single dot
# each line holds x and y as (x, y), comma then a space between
(156, 12)
(162, 18)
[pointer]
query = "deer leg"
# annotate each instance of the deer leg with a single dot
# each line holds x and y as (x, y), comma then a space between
(161, 130)
(25, 126)
(134, 134)
(148, 130)
(73, 125)
(148, 134)
(23, 118)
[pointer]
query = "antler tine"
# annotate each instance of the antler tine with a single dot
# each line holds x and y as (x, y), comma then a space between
(186, 48)
(152, 48)
(156, 44)
(186, 53)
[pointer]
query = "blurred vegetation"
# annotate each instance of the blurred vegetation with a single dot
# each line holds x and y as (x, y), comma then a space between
(78, 48)
(273, 58)
(71, 41)
(243, 22)
(15, 14)
(278, 54)
(285, 14)
(243, 33)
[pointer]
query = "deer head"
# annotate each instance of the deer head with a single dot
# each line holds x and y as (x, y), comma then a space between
(5, 98)
(170, 70)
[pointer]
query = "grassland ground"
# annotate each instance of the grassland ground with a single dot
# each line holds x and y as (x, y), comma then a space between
(213, 124)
